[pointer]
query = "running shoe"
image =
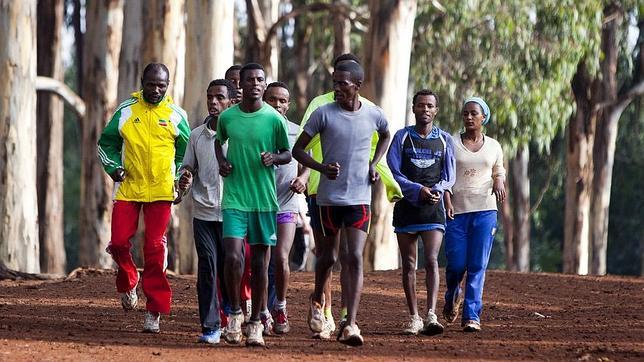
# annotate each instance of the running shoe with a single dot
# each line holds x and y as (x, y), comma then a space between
(129, 299)
(432, 327)
(471, 326)
(350, 336)
(267, 323)
(211, 337)
(327, 331)
(315, 317)
(281, 325)
(248, 310)
(151, 322)
(254, 330)
(451, 308)
(414, 326)
(234, 329)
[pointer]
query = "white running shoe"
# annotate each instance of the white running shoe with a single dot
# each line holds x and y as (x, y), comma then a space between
(414, 326)
(432, 327)
(351, 336)
(471, 326)
(234, 328)
(254, 331)
(129, 299)
(151, 322)
(327, 331)
(315, 317)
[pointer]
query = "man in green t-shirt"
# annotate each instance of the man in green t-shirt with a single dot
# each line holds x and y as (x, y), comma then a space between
(257, 140)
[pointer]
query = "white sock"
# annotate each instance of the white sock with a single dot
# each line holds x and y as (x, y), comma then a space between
(280, 305)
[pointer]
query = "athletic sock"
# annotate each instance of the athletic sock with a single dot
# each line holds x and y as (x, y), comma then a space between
(265, 313)
(280, 305)
(327, 313)
(343, 313)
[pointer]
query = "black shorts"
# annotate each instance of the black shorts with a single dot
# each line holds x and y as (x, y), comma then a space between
(333, 218)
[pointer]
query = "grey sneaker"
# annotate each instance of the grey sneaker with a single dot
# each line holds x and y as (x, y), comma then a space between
(129, 299)
(234, 328)
(432, 327)
(254, 330)
(327, 331)
(151, 322)
(351, 336)
(414, 326)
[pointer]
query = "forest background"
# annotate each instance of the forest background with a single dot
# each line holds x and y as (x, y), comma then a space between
(563, 79)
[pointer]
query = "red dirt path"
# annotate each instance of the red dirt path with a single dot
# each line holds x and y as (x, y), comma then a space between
(586, 318)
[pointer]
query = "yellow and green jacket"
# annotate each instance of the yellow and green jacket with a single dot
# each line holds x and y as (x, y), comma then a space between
(148, 141)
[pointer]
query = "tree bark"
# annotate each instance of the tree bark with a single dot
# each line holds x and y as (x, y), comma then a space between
(205, 60)
(50, 139)
(130, 62)
(579, 166)
(165, 40)
(520, 198)
(19, 246)
(104, 21)
(341, 32)
(507, 218)
(386, 62)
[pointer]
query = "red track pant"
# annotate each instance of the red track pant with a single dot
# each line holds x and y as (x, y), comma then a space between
(125, 219)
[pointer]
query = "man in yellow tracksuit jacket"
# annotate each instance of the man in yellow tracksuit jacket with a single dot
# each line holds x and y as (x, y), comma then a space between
(141, 148)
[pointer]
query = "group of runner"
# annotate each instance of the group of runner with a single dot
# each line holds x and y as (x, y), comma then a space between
(240, 168)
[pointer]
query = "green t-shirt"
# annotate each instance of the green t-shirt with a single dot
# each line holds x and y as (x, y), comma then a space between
(251, 185)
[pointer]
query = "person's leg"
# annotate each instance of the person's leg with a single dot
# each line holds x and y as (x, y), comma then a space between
(408, 247)
(259, 281)
(245, 288)
(285, 234)
(456, 253)
(125, 219)
(156, 287)
(235, 228)
(352, 266)
(432, 241)
(478, 254)
(205, 235)
(327, 251)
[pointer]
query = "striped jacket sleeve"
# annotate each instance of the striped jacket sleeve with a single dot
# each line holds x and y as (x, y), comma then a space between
(110, 145)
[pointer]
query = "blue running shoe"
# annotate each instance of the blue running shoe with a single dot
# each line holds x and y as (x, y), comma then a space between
(211, 337)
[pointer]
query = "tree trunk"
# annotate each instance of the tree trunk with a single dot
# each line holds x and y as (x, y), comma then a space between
(50, 139)
(165, 40)
(19, 247)
(104, 21)
(507, 218)
(341, 32)
(579, 166)
(520, 198)
(303, 31)
(386, 62)
(205, 60)
(130, 62)
(78, 45)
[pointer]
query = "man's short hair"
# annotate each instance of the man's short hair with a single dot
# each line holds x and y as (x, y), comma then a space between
(278, 84)
(153, 67)
(249, 66)
(345, 57)
(355, 69)
(232, 91)
(232, 69)
(425, 92)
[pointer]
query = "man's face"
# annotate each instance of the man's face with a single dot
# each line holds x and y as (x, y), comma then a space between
(155, 84)
(344, 88)
(237, 98)
(279, 98)
(217, 100)
(233, 76)
(425, 109)
(253, 84)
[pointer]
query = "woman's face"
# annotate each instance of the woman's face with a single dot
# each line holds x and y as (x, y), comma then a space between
(473, 116)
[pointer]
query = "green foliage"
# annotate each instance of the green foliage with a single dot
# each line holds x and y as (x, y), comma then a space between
(520, 56)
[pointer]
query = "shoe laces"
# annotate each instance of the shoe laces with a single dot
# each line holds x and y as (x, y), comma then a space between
(280, 316)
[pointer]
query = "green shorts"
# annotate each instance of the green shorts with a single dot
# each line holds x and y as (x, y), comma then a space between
(260, 227)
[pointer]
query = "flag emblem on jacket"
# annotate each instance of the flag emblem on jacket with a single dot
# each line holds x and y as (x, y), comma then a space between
(163, 122)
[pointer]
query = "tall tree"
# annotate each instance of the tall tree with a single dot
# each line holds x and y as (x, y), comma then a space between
(165, 40)
(591, 148)
(206, 59)
(386, 61)
(50, 139)
(102, 46)
(464, 44)
(19, 247)
(130, 62)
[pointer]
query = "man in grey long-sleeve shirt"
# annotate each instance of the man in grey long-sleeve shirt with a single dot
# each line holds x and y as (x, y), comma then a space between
(201, 171)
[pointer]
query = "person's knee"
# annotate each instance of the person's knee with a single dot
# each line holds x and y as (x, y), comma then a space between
(353, 259)
(408, 264)
(258, 262)
(234, 260)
